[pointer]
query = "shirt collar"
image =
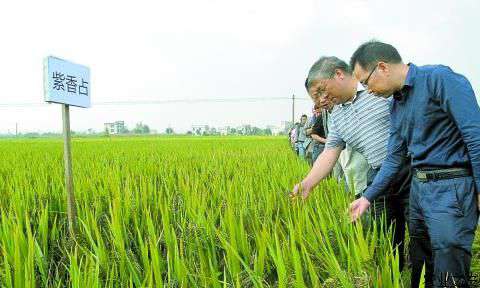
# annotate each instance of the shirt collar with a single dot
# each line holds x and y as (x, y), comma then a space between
(360, 89)
(409, 80)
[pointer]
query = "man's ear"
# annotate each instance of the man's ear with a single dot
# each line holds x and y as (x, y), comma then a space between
(383, 66)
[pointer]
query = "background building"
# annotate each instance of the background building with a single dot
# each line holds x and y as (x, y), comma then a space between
(117, 127)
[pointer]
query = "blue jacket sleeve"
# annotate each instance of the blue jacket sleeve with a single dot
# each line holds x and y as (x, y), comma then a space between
(390, 167)
(457, 98)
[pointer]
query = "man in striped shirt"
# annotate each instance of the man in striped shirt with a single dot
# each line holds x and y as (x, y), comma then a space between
(362, 121)
(351, 166)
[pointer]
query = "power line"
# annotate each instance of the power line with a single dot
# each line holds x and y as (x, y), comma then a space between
(166, 101)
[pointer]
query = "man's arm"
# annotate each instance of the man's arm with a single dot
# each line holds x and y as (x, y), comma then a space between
(318, 138)
(396, 156)
(321, 168)
(323, 165)
(458, 100)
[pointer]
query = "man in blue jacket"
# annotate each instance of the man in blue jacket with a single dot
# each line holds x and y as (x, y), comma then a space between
(435, 119)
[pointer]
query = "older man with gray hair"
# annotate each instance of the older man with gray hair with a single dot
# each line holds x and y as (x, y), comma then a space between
(362, 121)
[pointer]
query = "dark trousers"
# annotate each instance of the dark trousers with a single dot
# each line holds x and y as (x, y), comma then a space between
(395, 209)
(394, 204)
(445, 213)
(317, 150)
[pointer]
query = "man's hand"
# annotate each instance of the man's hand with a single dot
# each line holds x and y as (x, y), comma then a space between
(358, 207)
(300, 189)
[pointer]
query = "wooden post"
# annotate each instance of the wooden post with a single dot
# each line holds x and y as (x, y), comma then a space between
(67, 155)
(293, 110)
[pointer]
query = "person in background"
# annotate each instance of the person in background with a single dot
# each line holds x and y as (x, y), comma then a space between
(292, 137)
(301, 136)
(354, 170)
(317, 133)
(309, 142)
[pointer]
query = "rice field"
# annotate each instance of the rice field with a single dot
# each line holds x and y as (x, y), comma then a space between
(180, 212)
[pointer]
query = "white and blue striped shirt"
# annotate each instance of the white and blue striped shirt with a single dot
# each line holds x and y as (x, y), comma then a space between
(363, 123)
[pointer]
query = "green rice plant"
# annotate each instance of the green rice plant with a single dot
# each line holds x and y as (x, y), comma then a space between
(182, 212)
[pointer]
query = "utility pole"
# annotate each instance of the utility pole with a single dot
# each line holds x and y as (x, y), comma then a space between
(293, 109)
(16, 129)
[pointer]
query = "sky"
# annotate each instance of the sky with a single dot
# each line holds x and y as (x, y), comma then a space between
(180, 53)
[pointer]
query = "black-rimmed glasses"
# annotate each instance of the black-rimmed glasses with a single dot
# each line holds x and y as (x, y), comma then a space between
(365, 82)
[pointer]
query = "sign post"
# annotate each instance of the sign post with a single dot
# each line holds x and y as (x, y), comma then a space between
(67, 84)
(67, 156)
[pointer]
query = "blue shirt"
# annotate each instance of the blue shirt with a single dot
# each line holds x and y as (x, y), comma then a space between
(435, 119)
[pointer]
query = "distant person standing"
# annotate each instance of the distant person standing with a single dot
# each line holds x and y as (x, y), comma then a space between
(292, 136)
(318, 133)
(301, 136)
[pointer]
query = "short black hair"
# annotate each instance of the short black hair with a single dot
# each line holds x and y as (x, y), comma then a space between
(304, 115)
(372, 52)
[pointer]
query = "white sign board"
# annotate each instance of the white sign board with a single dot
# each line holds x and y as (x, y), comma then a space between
(66, 82)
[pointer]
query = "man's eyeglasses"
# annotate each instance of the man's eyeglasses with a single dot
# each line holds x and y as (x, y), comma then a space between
(365, 82)
(321, 91)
